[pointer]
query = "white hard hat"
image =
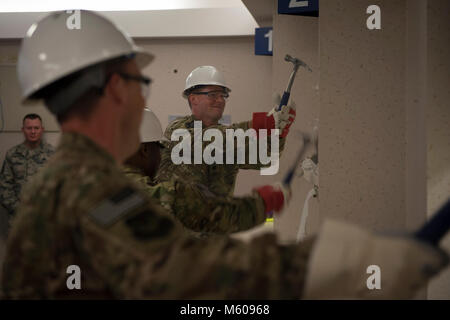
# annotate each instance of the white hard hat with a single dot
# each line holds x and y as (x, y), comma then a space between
(205, 75)
(151, 129)
(51, 50)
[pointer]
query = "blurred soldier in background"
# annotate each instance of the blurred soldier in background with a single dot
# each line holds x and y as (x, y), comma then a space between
(23, 161)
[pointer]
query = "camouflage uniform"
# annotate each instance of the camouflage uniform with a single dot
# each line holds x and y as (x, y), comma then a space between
(220, 178)
(199, 209)
(81, 210)
(20, 163)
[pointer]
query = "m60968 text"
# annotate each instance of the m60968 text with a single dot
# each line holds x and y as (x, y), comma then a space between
(247, 309)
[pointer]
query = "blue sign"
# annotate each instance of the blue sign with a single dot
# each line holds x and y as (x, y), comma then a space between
(263, 41)
(299, 7)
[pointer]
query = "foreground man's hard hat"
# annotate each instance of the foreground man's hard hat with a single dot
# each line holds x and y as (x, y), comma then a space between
(51, 50)
(205, 75)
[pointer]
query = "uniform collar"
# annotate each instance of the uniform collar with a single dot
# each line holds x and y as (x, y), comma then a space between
(190, 121)
(24, 149)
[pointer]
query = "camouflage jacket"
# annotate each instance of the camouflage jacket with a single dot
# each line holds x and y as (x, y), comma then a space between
(81, 210)
(20, 164)
(219, 178)
(199, 209)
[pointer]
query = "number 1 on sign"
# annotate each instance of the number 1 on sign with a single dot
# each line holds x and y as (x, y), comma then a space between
(298, 4)
(269, 35)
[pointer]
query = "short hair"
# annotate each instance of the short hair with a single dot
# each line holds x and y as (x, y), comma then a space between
(31, 116)
(191, 90)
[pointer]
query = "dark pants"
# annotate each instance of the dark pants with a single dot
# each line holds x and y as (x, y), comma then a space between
(4, 228)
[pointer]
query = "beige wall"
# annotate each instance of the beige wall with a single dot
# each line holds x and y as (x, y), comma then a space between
(248, 75)
(8, 56)
(8, 51)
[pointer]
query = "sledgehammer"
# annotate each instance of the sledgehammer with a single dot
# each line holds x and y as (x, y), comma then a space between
(435, 229)
(297, 63)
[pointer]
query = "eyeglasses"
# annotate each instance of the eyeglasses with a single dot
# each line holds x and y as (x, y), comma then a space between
(214, 94)
(145, 82)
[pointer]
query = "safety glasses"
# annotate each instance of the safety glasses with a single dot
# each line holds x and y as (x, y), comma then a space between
(214, 94)
(145, 82)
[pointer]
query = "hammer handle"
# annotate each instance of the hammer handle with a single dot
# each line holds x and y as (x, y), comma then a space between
(284, 99)
(291, 172)
(288, 178)
(436, 228)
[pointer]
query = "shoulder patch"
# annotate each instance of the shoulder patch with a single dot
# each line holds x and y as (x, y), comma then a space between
(116, 206)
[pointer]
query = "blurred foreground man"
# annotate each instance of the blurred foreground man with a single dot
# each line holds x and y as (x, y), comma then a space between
(80, 214)
(81, 210)
(23, 161)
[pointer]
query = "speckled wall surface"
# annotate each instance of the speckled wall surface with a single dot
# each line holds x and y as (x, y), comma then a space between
(362, 114)
(384, 114)
(415, 95)
(438, 125)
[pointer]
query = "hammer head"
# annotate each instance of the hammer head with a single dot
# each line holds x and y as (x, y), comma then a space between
(297, 62)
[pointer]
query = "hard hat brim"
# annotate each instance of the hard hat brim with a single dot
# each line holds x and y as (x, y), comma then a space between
(143, 58)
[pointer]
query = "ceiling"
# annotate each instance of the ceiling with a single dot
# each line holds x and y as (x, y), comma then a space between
(262, 10)
(150, 18)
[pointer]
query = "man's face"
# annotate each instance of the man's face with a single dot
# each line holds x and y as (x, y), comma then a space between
(205, 108)
(32, 130)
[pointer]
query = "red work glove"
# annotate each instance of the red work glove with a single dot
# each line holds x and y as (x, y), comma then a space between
(275, 196)
(275, 119)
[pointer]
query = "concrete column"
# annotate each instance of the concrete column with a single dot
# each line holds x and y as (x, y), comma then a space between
(438, 125)
(416, 89)
(363, 114)
(385, 115)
